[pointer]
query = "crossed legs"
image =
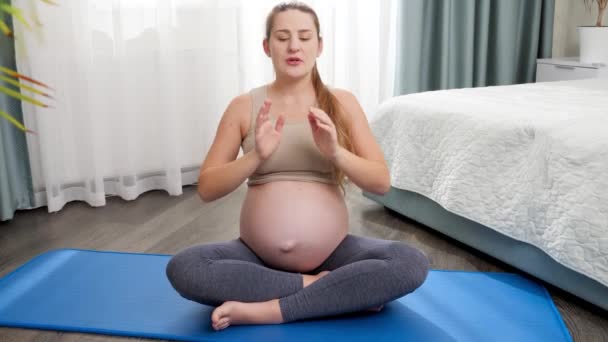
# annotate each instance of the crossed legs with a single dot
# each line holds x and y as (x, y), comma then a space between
(360, 274)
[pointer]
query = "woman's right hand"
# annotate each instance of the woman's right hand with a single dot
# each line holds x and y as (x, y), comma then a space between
(267, 138)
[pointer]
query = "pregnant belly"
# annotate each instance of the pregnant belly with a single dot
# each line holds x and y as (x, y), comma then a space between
(292, 225)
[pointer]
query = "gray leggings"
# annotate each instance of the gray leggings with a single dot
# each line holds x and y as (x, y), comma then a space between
(365, 273)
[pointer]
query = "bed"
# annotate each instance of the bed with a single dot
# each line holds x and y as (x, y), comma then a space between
(518, 172)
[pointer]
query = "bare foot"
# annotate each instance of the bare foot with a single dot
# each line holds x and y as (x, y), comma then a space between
(309, 279)
(234, 313)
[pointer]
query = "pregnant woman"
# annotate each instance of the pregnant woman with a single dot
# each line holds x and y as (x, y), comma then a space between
(294, 258)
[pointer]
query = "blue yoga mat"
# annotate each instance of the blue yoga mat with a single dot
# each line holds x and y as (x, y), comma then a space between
(128, 294)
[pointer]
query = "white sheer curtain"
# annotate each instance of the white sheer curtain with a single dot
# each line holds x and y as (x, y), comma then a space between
(140, 85)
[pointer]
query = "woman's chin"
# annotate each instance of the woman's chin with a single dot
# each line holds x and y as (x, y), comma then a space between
(295, 74)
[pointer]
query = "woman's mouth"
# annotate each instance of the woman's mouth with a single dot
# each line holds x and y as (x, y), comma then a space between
(294, 61)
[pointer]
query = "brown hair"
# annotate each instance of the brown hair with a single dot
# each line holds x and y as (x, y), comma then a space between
(327, 101)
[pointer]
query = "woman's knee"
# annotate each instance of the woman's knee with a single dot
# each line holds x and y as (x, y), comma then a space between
(410, 265)
(186, 273)
(176, 270)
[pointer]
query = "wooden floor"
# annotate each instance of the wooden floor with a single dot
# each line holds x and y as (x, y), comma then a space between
(158, 223)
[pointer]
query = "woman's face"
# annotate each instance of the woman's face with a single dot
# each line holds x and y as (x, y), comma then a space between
(293, 44)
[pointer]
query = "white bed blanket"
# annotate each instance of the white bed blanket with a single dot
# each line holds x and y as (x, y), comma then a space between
(530, 161)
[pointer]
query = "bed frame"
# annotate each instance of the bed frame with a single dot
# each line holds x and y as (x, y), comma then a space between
(521, 255)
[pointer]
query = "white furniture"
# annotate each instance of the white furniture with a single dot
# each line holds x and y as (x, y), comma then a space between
(592, 42)
(527, 162)
(568, 68)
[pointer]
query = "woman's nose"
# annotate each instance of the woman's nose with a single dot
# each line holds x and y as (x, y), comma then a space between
(294, 45)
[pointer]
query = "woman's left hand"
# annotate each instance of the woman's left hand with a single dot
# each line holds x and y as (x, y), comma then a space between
(324, 132)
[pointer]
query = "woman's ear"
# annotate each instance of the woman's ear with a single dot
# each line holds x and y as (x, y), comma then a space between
(266, 47)
(320, 46)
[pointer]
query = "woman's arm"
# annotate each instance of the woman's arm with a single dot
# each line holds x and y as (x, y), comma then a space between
(217, 181)
(221, 172)
(365, 166)
(370, 175)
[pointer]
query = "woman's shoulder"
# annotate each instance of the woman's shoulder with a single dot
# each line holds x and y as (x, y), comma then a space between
(239, 110)
(242, 107)
(247, 99)
(344, 96)
(341, 93)
(240, 103)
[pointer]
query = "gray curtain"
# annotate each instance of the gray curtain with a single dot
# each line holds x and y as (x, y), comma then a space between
(447, 44)
(15, 176)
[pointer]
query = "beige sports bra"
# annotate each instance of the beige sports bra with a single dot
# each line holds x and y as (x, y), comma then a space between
(297, 158)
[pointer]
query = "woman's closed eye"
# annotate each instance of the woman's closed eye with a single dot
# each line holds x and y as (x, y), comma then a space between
(286, 39)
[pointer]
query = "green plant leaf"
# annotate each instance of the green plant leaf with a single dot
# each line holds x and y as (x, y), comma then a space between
(21, 97)
(15, 12)
(14, 121)
(23, 86)
(15, 74)
(5, 6)
(5, 29)
(50, 2)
